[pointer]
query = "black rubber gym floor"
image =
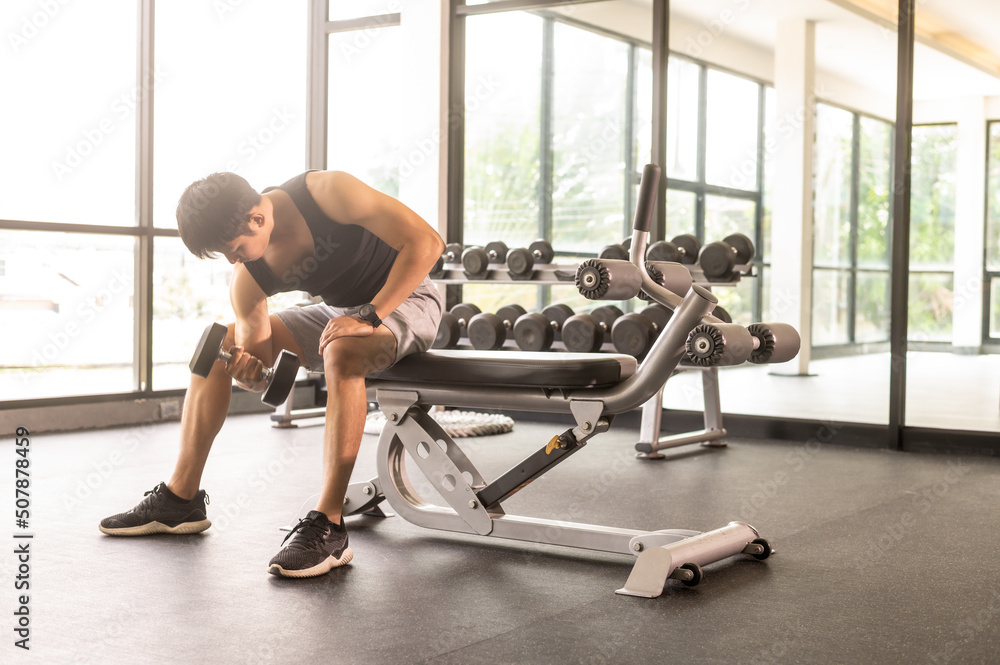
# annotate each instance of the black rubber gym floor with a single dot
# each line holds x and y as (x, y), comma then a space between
(882, 557)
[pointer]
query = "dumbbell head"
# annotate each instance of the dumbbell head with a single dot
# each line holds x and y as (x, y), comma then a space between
(510, 313)
(520, 261)
(742, 246)
(533, 332)
(452, 252)
(606, 314)
(688, 245)
(475, 261)
(464, 313)
(556, 315)
(207, 351)
(658, 314)
(581, 333)
(633, 334)
(541, 250)
(663, 250)
(720, 313)
(487, 332)
(449, 332)
(613, 252)
(717, 260)
(496, 251)
(281, 379)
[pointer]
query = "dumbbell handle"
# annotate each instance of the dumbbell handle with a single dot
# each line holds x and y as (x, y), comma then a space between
(265, 372)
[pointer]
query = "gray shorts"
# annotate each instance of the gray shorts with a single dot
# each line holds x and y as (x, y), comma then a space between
(414, 323)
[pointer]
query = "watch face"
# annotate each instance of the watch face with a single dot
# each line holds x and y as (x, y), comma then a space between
(366, 310)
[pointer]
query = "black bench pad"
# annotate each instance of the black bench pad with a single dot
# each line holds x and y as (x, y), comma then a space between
(523, 369)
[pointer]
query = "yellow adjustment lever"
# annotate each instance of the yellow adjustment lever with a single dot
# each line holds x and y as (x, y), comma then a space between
(552, 445)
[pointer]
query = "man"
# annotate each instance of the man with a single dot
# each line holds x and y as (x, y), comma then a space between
(368, 256)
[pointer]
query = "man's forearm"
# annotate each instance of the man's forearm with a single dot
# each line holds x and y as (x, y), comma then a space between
(412, 265)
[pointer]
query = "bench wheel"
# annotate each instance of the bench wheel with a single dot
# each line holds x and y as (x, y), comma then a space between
(695, 571)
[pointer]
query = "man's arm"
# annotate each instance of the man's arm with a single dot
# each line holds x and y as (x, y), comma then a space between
(347, 200)
(253, 331)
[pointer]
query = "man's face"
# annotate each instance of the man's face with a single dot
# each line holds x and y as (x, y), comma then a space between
(248, 247)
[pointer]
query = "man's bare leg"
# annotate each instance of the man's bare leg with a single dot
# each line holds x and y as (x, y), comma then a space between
(205, 407)
(347, 361)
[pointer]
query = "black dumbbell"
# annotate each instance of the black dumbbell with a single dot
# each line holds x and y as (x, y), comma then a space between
(280, 378)
(536, 331)
(463, 313)
(635, 332)
(718, 260)
(452, 254)
(476, 260)
(521, 261)
(722, 314)
(541, 251)
(585, 333)
(663, 250)
(449, 332)
(688, 245)
(619, 252)
(490, 331)
(682, 249)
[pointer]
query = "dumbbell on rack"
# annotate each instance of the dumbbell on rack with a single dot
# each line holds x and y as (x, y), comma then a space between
(635, 332)
(536, 331)
(488, 332)
(280, 378)
(682, 249)
(454, 325)
(521, 261)
(718, 260)
(617, 252)
(452, 254)
(476, 260)
(585, 333)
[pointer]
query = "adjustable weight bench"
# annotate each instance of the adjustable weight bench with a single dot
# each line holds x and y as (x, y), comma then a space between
(592, 388)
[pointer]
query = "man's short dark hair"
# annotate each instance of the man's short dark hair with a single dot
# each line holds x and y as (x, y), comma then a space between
(214, 211)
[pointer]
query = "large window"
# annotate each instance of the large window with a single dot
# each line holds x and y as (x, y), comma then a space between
(69, 114)
(850, 233)
(991, 324)
(67, 298)
(932, 232)
(240, 121)
(365, 119)
(70, 287)
(714, 170)
(553, 136)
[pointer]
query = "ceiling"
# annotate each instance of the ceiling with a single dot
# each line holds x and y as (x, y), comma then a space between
(957, 52)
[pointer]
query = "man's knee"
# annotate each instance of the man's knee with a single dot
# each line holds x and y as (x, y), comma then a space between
(339, 362)
(345, 358)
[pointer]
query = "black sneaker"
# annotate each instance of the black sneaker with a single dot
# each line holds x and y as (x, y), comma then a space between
(161, 511)
(317, 546)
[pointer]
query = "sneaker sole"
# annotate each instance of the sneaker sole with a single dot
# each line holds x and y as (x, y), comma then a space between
(152, 528)
(325, 566)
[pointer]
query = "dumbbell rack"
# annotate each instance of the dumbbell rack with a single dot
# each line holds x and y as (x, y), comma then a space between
(650, 441)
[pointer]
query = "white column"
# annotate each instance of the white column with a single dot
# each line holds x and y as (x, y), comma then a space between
(970, 222)
(790, 276)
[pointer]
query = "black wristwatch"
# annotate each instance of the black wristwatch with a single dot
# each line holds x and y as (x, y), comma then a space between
(367, 313)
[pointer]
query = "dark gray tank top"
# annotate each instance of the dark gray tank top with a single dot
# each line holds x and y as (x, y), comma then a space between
(350, 263)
